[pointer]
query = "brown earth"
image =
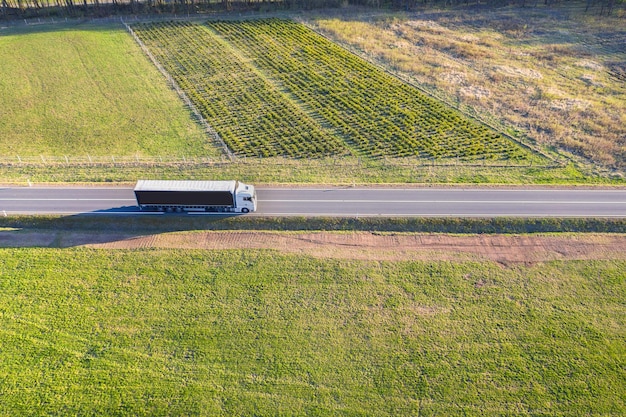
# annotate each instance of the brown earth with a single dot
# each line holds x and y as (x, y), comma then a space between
(504, 249)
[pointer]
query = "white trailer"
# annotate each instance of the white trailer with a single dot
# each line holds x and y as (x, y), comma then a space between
(215, 196)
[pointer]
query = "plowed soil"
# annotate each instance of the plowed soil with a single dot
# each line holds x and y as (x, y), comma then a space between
(504, 249)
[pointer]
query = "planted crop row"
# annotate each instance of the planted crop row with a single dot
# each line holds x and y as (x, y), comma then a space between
(374, 111)
(246, 110)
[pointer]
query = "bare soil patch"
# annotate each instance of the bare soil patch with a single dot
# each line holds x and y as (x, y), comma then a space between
(504, 249)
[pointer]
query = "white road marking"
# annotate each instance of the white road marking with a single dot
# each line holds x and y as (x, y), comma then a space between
(68, 199)
(451, 189)
(445, 201)
(515, 215)
(73, 213)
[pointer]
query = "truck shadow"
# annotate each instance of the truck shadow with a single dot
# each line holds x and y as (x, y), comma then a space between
(103, 226)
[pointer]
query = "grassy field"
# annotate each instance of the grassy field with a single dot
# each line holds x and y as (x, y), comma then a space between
(84, 89)
(199, 332)
(168, 332)
(96, 110)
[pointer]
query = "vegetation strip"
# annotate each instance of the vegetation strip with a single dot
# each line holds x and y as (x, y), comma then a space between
(84, 151)
(427, 224)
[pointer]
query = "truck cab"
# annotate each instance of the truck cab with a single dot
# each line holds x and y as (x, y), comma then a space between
(245, 198)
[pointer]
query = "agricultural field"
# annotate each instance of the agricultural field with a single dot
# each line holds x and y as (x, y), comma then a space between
(94, 109)
(272, 87)
(556, 72)
(86, 89)
(259, 332)
(249, 113)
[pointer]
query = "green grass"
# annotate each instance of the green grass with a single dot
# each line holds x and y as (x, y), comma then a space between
(132, 225)
(279, 170)
(169, 332)
(250, 114)
(84, 89)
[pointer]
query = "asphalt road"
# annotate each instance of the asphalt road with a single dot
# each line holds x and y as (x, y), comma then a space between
(470, 202)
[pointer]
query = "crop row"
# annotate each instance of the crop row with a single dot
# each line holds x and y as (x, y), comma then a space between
(372, 110)
(248, 112)
(243, 76)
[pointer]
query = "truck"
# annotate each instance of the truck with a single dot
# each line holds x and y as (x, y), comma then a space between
(178, 196)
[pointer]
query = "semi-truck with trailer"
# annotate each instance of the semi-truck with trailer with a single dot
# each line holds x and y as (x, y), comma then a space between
(178, 196)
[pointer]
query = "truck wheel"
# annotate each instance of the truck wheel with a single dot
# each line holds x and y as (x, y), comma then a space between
(245, 210)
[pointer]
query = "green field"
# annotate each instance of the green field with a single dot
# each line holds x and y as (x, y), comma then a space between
(84, 89)
(174, 332)
(95, 109)
(247, 110)
(272, 87)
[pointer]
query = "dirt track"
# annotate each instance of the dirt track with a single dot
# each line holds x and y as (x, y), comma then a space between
(505, 249)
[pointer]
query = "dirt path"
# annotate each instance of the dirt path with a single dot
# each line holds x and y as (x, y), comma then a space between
(505, 249)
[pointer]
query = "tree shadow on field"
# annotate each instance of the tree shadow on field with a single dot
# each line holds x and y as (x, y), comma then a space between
(46, 25)
(103, 226)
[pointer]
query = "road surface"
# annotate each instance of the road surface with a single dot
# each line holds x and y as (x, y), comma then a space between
(352, 202)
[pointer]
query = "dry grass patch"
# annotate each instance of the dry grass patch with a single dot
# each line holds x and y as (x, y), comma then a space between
(511, 60)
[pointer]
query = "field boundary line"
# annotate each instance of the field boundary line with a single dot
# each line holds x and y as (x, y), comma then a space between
(190, 161)
(207, 127)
